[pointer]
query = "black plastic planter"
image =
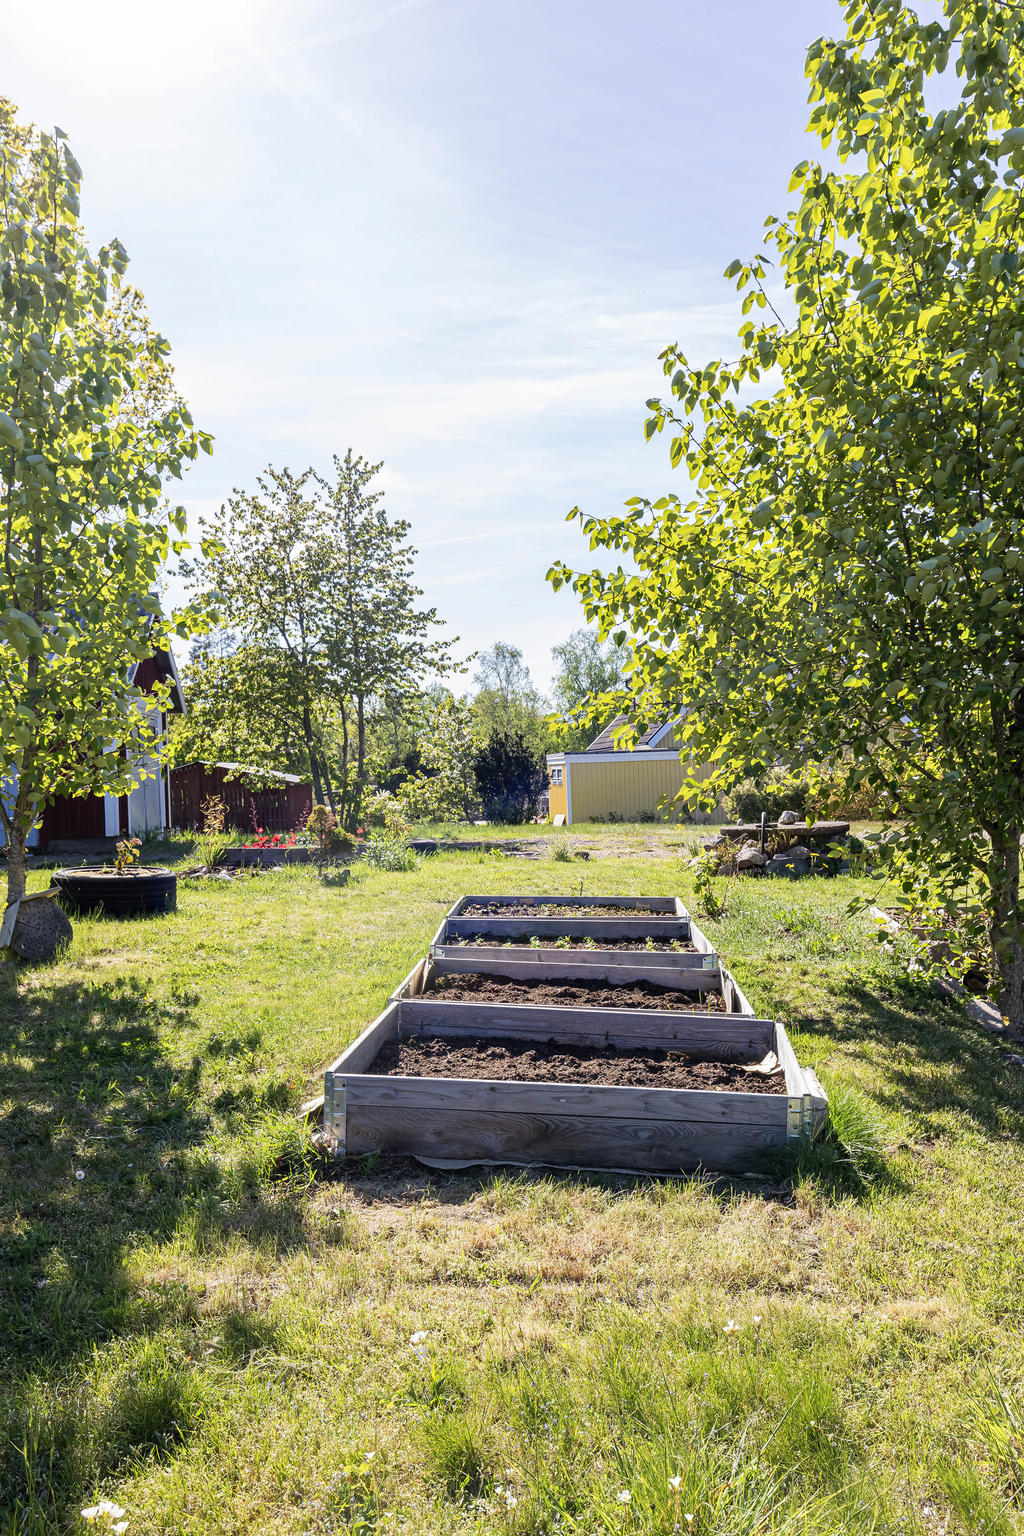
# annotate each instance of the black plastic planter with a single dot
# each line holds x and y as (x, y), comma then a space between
(137, 893)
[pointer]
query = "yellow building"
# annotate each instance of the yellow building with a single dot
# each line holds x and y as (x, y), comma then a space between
(606, 782)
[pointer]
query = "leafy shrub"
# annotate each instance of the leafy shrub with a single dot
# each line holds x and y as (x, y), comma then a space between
(864, 802)
(777, 791)
(380, 808)
(384, 849)
(509, 776)
(705, 866)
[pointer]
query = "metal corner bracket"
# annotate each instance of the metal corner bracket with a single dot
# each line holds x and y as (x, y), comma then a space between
(335, 1111)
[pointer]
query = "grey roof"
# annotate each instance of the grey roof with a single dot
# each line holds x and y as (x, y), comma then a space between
(269, 773)
(604, 742)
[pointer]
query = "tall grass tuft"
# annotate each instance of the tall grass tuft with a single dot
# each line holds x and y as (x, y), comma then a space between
(278, 1146)
(456, 1451)
(148, 1405)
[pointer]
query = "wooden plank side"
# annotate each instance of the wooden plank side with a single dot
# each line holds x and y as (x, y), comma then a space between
(796, 1082)
(722, 1037)
(617, 968)
(700, 941)
(735, 1000)
(819, 1100)
(363, 1049)
(413, 984)
(603, 1100)
(556, 927)
(563, 1140)
(654, 960)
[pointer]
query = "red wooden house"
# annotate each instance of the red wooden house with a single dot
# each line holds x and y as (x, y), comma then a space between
(147, 808)
(258, 797)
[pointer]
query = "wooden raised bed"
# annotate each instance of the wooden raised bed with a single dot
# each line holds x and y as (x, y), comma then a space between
(701, 957)
(618, 969)
(665, 917)
(454, 1121)
(240, 857)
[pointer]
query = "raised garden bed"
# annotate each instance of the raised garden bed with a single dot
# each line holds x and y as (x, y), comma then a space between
(599, 917)
(272, 858)
(686, 980)
(547, 1061)
(451, 1120)
(565, 906)
(690, 950)
(617, 946)
(139, 892)
(574, 992)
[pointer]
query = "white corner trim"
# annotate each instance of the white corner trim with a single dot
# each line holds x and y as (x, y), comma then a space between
(663, 731)
(568, 792)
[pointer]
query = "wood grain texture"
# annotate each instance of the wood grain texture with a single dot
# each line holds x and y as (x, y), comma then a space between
(479, 1095)
(563, 1140)
(585, 965)
(670, 960)
(796, 1081)
(555, 927)
(720, 1037)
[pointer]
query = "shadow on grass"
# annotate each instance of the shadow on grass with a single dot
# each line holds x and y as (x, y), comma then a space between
(102, 1137)
(931, 1060)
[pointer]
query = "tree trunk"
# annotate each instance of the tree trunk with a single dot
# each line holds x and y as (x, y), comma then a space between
(325, 775)
(17, 843)
(1005, 925)
(361, 740)
(310, 745)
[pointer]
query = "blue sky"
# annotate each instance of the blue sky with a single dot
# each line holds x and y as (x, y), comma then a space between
(453, 234)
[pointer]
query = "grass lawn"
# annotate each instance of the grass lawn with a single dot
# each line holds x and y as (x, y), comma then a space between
(218, 1348)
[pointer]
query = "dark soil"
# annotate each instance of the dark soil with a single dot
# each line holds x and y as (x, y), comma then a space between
(555, 909)
(680, 946)
(478, 987)
(537, 1061)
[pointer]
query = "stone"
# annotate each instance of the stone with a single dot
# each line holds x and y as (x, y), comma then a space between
(783, 864)
(41, 929)
(751, 857)
(788, 819)
(798, 851)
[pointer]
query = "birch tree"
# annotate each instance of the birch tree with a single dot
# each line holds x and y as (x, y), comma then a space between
(840, 583)
(90, 427)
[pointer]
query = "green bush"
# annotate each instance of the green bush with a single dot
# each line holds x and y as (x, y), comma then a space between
(866, 802)
(381, 808)
(509, 776)
(388, 850)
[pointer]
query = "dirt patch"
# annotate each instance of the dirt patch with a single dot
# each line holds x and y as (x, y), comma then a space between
(478, 987)
(680, 946)
(555, 909)
(547, 1061)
